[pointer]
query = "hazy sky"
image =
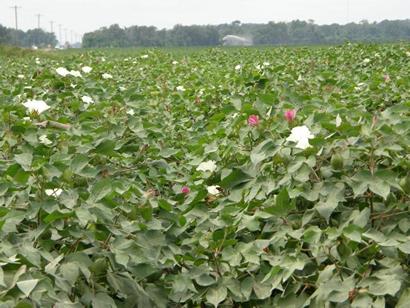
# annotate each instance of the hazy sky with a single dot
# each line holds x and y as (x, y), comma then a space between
(87, 15)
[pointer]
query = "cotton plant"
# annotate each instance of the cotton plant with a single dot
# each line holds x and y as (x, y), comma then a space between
(86, 69)
(180, 89)
(206, 166)
(37, 106)
(106, 76)
(214, 190)
(300, 135)
(87, 99)
(54, 192)
(44, 140)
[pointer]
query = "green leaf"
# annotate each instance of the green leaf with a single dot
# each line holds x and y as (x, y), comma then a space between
(283, 204)
(70, 272)
(353, 233)
(106, 148)
(102, 300)
(205, 280)
(2, 283)
(24, 160)
(166, 153)
(27, 286)
(405, 247)
(384, 287)
(100, 190)
(235, 178)
(57, 215)
(379, 187)
(263, 151)
(165, 205)
(326, 207)
(79, 162)
(216, 295)
(404, 299)
(365, 180)
(262, 290)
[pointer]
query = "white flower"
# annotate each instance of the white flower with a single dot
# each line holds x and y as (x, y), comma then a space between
(20, 76)
(106, 76)
(266, 63)
(144, 57)
(86, 99)
(131, 112)
(102, 59)
(209, 165)
(360, 86)
(26, 119)
(44, 140)
(175, 62)
(86, 69)
(300, 135)
(122, 88)
(36, 106)
(213, 190)
(37, 61)
(62, 71)
(75, 73)
(338, 120)
(53, 192)
(366, 61)
(238, 67)
(408, 53)
(180, 89)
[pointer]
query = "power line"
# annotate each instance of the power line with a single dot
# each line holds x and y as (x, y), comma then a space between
(15, 8)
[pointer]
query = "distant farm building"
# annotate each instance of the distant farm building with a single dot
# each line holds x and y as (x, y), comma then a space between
(234, 40)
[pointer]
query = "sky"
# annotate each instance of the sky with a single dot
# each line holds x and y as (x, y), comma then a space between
(81, 16)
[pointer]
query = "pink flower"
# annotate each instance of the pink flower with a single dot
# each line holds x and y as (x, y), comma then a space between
(290, 115)
(386, 78)
(253, 120)
(185, 190)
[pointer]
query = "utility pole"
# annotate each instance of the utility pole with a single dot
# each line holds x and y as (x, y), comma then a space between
(52, 26)
(15, 8)
(60, 34)
(38, 20)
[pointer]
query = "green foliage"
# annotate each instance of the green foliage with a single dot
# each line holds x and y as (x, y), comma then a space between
(94, 214)
(37, 37)
(281, 33)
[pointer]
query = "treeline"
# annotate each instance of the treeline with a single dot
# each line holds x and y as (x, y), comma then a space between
(274, 33)
(29, 38)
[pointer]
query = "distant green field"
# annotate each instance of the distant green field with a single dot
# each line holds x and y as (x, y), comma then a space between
(205, 177)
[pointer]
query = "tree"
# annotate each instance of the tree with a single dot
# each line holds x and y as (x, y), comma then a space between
(296, 32)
